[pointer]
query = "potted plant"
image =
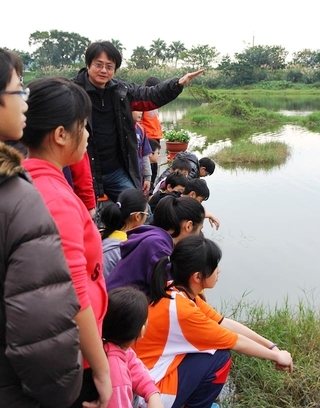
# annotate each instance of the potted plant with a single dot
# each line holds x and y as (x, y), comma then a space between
(176, 141)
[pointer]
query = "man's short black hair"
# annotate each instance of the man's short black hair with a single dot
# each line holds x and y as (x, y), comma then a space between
(96, 48)
(208, 164)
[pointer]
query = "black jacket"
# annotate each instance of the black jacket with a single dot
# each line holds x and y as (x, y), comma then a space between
(40, 361)
(126, 98)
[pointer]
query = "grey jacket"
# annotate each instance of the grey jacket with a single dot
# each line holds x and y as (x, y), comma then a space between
(40, 361)
(111, 254)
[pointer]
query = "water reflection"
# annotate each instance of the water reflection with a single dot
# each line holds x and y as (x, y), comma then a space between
(270, 224)
(270, 218)
(294, 102)
(294, 112)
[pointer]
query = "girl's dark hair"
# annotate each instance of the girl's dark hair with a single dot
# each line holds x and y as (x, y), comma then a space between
(53, 102)
(171, 211)
(191, 254)
(115, 215)
(96, 48)
(127, 313)
(9, 61)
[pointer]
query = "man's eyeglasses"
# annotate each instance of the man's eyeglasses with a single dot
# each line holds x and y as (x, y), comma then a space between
(100, 66)
(140, 212)
(24, 94)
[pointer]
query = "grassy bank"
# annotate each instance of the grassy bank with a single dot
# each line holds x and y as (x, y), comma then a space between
(230, 115)
(245, 152)
(257, 384)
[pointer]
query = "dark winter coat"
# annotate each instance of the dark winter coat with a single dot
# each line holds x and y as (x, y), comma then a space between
(126, 98)
(40, 362)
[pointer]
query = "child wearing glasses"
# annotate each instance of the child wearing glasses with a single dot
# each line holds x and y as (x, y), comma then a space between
(173, 219)
(39, 361)
(130, 211)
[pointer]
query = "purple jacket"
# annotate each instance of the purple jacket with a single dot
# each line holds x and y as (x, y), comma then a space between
(145, 246)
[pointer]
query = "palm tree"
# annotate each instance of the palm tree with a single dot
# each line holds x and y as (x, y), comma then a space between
(140, 58)
(176, 49)
(158, 50)
(119, 46)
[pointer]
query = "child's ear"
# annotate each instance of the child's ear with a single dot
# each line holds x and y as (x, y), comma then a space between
(196, 277)
(143, 331)
(189, 226)
(60, 135)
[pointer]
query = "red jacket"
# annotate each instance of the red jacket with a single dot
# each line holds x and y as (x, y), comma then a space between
(82, 182)
(81, 240)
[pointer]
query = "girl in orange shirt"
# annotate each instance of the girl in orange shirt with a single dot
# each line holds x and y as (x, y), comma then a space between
(188, 354)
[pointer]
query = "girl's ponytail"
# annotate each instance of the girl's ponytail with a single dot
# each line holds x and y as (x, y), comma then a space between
(159, 278)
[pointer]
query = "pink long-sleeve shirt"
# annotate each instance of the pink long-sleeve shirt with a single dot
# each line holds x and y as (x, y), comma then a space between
(128, 375)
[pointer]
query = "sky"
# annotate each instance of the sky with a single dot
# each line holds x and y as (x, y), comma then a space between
(229, 26)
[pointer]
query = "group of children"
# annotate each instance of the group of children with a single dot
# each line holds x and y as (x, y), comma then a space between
(146, 336)
(183, 342)
(167, 335)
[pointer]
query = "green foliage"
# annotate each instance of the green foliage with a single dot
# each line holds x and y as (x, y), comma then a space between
(176, 52)
(311, 122)
(306, 58)
(273, 85)
(246, 152)
(259, 56)
(157, 51)
(177, 135)
(201, 56)
(57, 48)
(257, 384)
(236, 109)
(140, 59)
(255, 66)
(118, 44)
(294, 75)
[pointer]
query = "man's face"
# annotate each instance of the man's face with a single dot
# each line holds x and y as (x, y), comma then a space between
(101, 70)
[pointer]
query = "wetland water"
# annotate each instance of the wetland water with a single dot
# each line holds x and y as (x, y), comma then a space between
(270, 223)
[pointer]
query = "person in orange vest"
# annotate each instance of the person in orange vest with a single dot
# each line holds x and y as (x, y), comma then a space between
(152, 125)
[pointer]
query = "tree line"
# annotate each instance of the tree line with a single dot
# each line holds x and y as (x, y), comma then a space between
(62, 50)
